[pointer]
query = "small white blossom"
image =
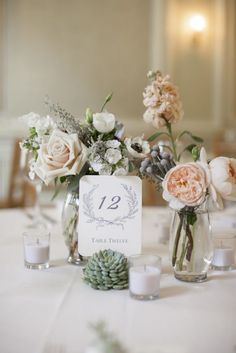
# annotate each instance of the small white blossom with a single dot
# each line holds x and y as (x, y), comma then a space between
(113, 144)
(105, 170)
(30, 119)
(137, 147)
(120, 172)
(112, 155)
(44, 125)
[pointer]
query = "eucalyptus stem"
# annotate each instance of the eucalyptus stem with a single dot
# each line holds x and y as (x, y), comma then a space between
(169, 128)
(190, 242)
(183, 252)
(177, 238)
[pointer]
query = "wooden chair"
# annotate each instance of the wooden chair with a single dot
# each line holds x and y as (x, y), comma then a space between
(16, 191)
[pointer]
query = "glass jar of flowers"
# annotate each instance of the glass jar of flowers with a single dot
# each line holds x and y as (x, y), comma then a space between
(64, 148)
(190, 188)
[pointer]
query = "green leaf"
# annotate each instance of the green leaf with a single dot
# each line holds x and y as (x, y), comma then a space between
(89, 116)
(194, 137)
(196, 153)
(63, 179)
(197, 139)
(191, 218)
(33, 132)
(57, 190)
(189, 148)
(107, 99)
(156, 135)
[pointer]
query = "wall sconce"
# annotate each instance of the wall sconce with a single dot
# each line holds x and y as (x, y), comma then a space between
(197, 25)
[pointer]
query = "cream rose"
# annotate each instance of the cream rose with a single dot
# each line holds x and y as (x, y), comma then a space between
(185, 185)
(223, 175)
(104, 122)
(62, 155)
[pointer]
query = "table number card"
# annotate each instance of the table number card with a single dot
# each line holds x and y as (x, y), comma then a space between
(110, 214)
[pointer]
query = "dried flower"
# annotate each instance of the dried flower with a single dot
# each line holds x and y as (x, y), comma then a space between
(162, 100)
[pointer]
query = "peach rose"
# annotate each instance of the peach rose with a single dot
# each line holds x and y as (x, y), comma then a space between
(62, 155)
(223, 175)
(185, 185)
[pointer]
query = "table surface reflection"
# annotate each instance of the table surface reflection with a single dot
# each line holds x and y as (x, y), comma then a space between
(50, 311)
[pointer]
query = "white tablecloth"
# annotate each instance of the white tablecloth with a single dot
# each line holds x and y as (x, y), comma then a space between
(49, 311)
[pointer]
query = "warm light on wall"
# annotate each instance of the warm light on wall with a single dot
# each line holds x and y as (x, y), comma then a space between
(197, 25)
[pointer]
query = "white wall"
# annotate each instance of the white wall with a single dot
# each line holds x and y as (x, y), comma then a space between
(76, 51)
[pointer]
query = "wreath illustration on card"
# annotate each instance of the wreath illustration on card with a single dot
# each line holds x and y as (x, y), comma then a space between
(89, 212)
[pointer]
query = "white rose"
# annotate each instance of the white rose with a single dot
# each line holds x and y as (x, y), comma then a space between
(112, 155)
(105, 170)
(95, 165)
(104, 122)
(113, 144)
(223, 175)
(123, 168)
(62, 155)
(137, 147)
(120, 172)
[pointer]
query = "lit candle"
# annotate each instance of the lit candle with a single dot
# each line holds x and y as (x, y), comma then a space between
(144, 280)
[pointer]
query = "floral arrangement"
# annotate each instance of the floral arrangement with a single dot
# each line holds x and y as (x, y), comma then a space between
(185, 186)
(64, 147)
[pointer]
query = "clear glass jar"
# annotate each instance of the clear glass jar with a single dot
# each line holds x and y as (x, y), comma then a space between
(191, 247)
(70, 217)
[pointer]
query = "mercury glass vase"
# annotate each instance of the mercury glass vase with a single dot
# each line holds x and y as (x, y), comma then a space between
(191, 248)
(70, 217)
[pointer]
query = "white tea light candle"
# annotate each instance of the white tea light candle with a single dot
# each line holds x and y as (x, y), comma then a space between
(36, 249)
(144, 276)
(224, 252)
(144, 280)
(223, 257)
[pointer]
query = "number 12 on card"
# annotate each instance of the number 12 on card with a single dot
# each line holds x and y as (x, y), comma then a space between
(110, 214)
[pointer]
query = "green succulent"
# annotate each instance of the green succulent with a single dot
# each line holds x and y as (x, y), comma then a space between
(107, 269)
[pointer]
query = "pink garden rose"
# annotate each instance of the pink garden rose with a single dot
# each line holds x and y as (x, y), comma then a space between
(161, 98)
(185, 185)
(223, 175)
(62, 155)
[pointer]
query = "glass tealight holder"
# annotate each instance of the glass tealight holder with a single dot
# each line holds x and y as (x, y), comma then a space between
(224, 252)
(36, 249)
(144, 276)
